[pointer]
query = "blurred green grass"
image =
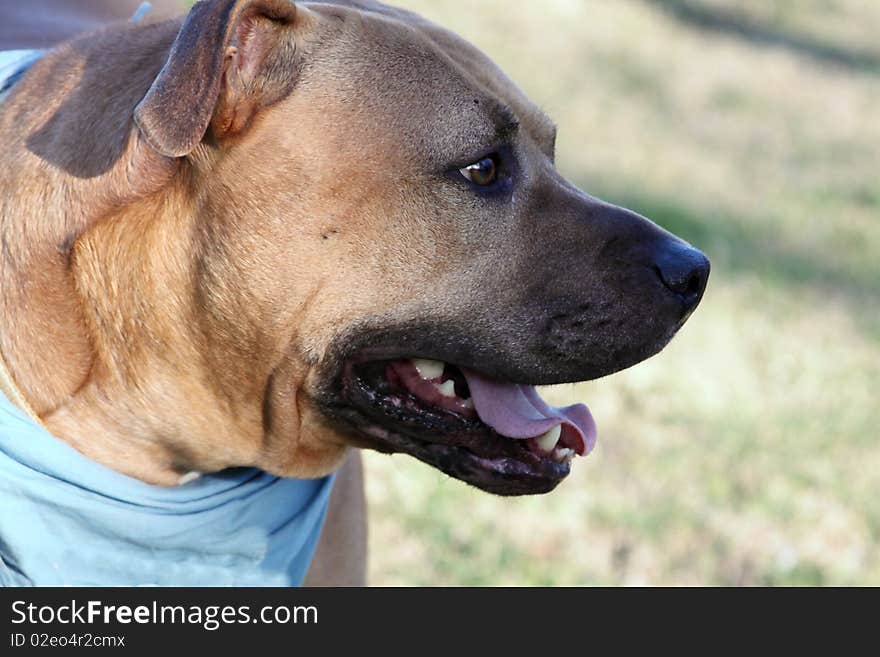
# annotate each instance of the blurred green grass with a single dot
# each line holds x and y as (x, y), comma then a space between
(747, 452)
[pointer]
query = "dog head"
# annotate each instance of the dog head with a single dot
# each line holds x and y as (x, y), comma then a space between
(379, 252)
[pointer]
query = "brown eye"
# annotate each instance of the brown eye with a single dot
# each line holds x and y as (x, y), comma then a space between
(482, 173)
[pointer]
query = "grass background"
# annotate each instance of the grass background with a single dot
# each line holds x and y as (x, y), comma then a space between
(747, 452)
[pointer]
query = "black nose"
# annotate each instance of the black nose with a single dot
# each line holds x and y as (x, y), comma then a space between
(684, 271)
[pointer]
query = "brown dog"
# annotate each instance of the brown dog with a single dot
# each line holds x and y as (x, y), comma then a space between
(253, 218)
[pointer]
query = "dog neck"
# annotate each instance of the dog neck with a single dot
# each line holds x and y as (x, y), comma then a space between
(9, 388)
(69, 162)
(13, 65)
(149, 407)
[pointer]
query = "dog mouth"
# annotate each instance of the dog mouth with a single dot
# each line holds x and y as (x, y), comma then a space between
(500, 437)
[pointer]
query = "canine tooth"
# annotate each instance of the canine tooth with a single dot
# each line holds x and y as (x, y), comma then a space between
(563, 454)
(468, 403)
(548, 441)
(429, 369)
(447, 389)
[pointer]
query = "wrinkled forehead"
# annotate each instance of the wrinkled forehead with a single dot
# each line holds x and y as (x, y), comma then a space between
(439, 94)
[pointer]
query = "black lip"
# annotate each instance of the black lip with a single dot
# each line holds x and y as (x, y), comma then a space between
(463, 448)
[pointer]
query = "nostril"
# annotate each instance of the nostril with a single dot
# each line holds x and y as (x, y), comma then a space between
(694, 285)
(683, 270)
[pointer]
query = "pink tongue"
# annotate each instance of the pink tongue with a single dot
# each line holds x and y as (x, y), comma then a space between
(517, 411)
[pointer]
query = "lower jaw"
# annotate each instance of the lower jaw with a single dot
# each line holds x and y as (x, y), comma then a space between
(505, 477)
(460, 455)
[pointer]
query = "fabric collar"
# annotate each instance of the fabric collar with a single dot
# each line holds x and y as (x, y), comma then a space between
(66, 520)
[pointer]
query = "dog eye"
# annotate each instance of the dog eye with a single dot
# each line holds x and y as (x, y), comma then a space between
(483, 173)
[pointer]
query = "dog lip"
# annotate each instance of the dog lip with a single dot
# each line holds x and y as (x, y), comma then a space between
(462, 447)
(503, 476)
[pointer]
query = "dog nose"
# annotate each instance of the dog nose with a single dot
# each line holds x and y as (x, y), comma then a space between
(684, 271)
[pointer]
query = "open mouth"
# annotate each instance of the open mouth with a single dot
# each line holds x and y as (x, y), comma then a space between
(500, 437)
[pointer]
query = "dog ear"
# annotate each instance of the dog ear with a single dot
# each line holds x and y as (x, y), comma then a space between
(228, 61)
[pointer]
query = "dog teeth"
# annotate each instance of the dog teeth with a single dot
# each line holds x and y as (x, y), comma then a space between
(468, 403)
(447, 389)
(563, 454)
(429, 369)
(547, 442)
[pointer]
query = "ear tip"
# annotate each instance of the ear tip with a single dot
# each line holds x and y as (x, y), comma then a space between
(281, 10)
(176, 112)
(156, 134)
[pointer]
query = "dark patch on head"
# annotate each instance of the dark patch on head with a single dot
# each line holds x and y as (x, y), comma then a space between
(89, 132)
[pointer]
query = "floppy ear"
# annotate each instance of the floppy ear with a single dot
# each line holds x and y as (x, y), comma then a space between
(228, 61)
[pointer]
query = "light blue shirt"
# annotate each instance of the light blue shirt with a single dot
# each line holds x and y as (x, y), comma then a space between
(66, 520)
